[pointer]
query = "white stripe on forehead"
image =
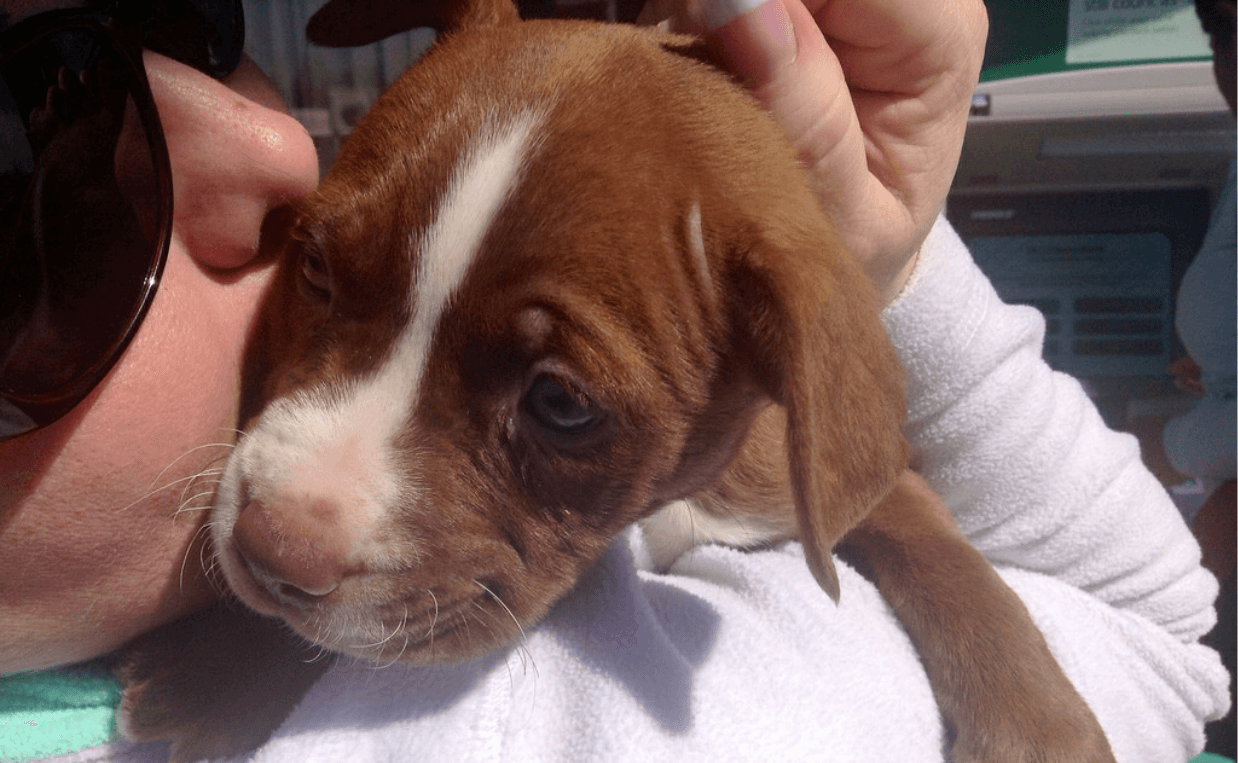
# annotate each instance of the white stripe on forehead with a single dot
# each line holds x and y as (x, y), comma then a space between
(339, 440)
(478, 188)
(482, 180)
(479, 185)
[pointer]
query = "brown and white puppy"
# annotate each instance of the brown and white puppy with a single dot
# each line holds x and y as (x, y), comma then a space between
(563, 274)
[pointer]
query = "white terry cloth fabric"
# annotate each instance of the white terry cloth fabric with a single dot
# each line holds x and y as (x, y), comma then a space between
(735, 656)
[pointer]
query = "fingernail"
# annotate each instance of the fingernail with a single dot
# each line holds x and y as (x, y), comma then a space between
(719, 13)
(756, 36)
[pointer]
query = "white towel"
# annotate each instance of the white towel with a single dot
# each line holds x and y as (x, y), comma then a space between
(738, 656)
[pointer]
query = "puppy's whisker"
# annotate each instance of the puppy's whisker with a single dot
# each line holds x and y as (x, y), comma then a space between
(433, 620)
(468, 631)
(395, 631)
(320, 651)
(191, 509)
(207, 494)
(383, 639)
(152, 490)
(240, 433)
(185, 559)
(316, 623)
(188, 453)
(186, 482)
(214, 474)
(483, 620)
(156, 491)
(402, 629)
(210, 563)
(524, 641)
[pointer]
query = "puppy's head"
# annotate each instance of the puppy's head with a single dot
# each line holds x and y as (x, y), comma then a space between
(550, 280)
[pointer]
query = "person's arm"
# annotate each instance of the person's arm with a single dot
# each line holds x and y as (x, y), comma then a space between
(731, 654)
(1021, 455)
(1043, 488)
(988, 419)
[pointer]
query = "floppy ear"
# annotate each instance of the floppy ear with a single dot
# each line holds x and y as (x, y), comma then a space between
(820, 351)
(345, 23)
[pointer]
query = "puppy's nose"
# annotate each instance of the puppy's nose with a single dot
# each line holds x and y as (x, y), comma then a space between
(292, 548)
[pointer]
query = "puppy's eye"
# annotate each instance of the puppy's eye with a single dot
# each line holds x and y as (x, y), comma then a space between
(558, 409)
(315, 275)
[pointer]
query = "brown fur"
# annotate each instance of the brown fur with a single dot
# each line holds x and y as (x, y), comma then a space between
(762, 383)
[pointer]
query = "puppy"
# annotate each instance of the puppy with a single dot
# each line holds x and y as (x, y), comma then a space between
(561, 276)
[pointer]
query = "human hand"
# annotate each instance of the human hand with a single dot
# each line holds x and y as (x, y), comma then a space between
(874, 94)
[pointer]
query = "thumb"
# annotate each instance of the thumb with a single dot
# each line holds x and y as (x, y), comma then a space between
(778, 49)
(757, 38)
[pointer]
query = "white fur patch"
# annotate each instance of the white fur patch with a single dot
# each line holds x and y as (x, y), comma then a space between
(695, 236)
(336, 442)
(682, 525)
(696, 243)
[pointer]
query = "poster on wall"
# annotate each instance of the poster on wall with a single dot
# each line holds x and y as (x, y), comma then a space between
(1113, 31)
(1106, 298)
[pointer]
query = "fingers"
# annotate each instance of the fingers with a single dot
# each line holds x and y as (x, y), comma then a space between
(911, 67)
(776, 47)
(782, 55)
(757, 38)
(874, 95)
(901, 46)
(784, 58)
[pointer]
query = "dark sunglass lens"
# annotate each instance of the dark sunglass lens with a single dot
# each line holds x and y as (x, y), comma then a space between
(79, 221)
(208, 35)
(16, 168)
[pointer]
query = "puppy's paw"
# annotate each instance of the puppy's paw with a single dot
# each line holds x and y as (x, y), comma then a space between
(1095, 750)
(216, 683)
(1059, 730)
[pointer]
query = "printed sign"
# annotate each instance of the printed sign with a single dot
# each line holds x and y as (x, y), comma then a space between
(1103, 31)
(1105, 297)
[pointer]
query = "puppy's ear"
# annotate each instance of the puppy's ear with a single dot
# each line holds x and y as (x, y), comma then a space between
(346, 23)
(820, 351)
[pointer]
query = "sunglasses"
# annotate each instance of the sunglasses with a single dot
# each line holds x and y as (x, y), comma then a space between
(86, 188)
